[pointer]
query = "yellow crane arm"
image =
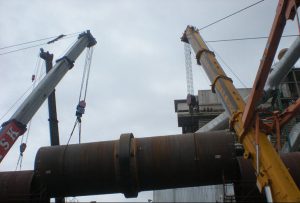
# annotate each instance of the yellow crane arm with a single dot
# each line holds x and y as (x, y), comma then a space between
(271, 172)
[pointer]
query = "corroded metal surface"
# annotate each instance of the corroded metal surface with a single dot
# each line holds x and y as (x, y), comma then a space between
(15, 186)
(181, 161)
(76, 170)
(292, 162)
(20, 187)
(145, 164)
(151, 163)
(245, 185)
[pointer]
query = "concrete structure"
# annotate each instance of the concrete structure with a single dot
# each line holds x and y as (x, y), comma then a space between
(191, 118)
(209, 107)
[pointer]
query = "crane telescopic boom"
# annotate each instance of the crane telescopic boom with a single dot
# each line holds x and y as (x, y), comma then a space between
(271, 172)
(16, 125)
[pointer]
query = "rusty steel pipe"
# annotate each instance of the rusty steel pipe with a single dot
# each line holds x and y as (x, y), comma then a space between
(245, 184)
(20, 186)
(16, 186)
(140, 164)
(130, 165)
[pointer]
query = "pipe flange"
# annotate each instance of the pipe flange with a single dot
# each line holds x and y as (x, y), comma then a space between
(127, 166)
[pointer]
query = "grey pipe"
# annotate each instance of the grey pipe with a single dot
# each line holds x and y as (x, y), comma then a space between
(282, 68)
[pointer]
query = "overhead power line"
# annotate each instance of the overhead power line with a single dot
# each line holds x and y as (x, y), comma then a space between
(54, 38)
(246, 38)
(15, 45)
(232, 14)
(8, 52)
(38, 40)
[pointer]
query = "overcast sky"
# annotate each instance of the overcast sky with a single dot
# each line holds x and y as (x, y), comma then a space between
(138, 64)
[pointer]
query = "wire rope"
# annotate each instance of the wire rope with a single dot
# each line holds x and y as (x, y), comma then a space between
(22, 148)
(33, 46)
(232, 14)
(219, 56)
(247, 38)
(38, 40)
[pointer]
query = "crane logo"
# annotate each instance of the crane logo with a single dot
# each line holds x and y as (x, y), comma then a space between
(9, 135)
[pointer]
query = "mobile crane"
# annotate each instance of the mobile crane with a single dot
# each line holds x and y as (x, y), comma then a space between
(16, 125)
(272, 176)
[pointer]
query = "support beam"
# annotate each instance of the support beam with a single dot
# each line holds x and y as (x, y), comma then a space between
(53, 122)
(285, 10)
(289, 113)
